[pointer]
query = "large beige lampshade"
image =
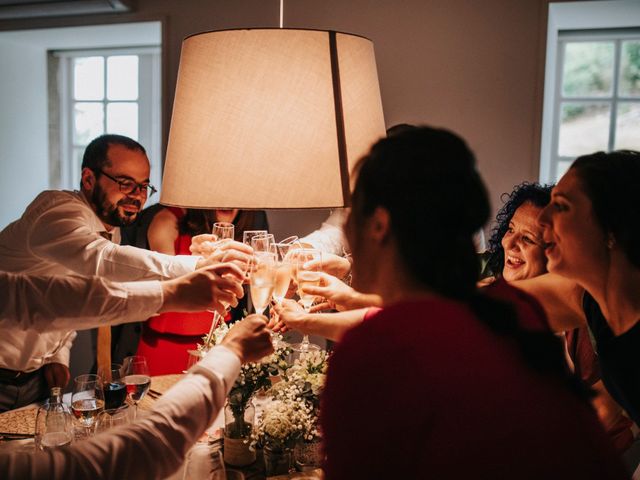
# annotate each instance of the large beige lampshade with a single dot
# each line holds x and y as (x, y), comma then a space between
(270, 118)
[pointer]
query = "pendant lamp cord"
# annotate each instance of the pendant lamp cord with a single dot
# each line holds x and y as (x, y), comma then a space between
(281, 13)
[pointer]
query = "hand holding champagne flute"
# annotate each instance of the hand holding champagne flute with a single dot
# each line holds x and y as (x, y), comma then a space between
(308, 268)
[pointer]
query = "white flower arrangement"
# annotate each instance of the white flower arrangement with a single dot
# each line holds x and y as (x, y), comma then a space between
(293, 414)
(216, 337)
(284, 422)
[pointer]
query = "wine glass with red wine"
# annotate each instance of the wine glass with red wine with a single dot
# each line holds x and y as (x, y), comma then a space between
(115, 390)
(136, 378)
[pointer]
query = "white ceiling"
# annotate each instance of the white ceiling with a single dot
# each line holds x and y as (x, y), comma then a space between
(97, 36)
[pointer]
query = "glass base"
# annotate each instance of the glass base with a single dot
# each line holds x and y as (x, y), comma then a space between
(300, 350)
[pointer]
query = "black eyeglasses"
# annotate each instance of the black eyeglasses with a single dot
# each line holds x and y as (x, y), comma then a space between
(129, 186)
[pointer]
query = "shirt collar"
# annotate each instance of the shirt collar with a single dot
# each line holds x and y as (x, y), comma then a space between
(97, 225)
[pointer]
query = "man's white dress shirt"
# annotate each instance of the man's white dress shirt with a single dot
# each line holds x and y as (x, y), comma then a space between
(152, 447)
(59, 234)
(330, 236)
(46, 303)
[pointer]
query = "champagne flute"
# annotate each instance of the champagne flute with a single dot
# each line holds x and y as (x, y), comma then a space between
(247, 235)
(261, 280)
(137, 379)
(288, 245)
(87, 400)
(262, 243)
(115, 391)
(223, 230)
(285, 267)
(307, 276)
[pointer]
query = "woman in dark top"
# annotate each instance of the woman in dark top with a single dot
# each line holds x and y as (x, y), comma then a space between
(517, 253)
(592, 232)
(446, 381)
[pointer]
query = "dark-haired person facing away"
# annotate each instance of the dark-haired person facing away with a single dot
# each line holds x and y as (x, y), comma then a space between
(446, 381)
(64, 232)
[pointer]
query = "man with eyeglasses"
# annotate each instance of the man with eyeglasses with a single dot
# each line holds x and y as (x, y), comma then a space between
(63, 233)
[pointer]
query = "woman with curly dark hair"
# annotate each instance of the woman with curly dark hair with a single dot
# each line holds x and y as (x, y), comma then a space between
(516, 247)
(517, 253)
(591, 233)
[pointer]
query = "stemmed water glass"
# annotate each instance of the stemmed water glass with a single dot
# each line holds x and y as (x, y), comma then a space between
(87, 400)
(115, 391)
(307, 276)
(137, 379)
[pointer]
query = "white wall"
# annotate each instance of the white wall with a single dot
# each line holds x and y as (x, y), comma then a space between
(24, 170)
(24, 137)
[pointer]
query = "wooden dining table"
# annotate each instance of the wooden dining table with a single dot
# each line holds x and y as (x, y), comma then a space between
(17, 429)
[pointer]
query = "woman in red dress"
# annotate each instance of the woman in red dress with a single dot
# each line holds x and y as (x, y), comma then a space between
(167, 337)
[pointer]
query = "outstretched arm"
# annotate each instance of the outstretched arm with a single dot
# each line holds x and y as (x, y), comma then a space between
(560, 298)
(291, 316)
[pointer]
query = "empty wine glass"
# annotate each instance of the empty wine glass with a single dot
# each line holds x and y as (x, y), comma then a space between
(87, 400)
(262, 243)
(137, 379)
(115, 391)
(113, 417)
(287, 245)
(247, 235)
(307, 276)
(261, 280)
(223, 230)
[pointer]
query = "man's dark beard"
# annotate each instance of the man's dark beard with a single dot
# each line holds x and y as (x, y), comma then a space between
(108, 212)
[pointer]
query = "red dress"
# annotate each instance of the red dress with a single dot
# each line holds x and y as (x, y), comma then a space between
(424, 389)
(167, 337)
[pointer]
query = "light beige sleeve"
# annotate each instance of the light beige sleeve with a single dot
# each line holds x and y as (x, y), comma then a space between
(52, 303)
(153, 447)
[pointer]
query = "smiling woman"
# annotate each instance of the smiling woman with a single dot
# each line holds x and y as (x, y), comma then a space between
(592, 228)
(516, 240)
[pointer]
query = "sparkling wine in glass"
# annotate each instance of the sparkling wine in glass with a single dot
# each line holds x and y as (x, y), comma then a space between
(261, 280)
(136, 378)
(282, 280)
(87, 400)
(307, 275)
